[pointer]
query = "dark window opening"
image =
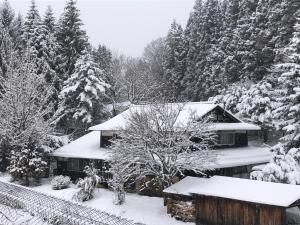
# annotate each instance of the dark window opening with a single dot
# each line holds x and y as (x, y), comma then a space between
(73, 165)
(227, 139)
(105, 141)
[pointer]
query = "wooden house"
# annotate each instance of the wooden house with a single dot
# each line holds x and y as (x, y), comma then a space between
(231, 201)
(235, 157)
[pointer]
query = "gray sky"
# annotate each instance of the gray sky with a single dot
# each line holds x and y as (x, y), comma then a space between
(122, 25)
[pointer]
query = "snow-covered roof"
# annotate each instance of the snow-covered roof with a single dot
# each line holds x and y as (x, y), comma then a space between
(197, 109)
(268, 193)
(242, 156)
(234, 126)
(87, 147)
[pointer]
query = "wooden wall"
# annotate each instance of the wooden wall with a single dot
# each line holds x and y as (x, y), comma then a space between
(220, 211)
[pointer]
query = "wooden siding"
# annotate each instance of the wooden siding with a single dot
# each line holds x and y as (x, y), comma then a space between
(220, 211)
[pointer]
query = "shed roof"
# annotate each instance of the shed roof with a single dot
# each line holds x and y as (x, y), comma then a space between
(197, 109)
(283, 195)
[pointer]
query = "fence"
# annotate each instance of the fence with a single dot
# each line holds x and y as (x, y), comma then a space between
(10, 216)
(53, 210)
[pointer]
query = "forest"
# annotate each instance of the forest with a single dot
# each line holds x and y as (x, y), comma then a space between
(243, 54)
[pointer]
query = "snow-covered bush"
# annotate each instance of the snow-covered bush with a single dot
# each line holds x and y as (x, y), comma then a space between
(60, 182)
(26, 164)
(87, 185)
(283, 168)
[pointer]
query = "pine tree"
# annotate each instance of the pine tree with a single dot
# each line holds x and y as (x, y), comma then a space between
(256, 106)
(49, 21)
(289, 80)
(34, 36)
(203, 33)
(174, 62)
(6, 49)
(284, 167)
(71, 38)
(7, 17)
(8, 33)
(103, 57)
(50, 55)
(82, 96)
(192, 37)
(227, 44)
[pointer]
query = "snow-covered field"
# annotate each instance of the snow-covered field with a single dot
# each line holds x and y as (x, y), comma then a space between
(147, 210)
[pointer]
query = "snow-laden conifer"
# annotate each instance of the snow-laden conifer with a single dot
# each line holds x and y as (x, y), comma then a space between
(81, 98)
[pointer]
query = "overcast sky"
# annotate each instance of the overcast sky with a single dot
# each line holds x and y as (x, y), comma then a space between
(122, 25)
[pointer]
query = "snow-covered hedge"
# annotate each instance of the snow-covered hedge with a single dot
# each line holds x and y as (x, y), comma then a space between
(60, 182)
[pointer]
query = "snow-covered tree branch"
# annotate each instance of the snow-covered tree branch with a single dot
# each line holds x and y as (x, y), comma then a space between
(155, 145)
(23, 126)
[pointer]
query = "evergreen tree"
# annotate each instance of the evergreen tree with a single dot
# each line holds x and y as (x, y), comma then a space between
(284, 167)
(289, 83)
(50, 55)
(227, 43)
(49, 21)
(6, 49)
(82, 96)
(8, 35)
(192, 36)
(103, 57)
(7, 17)
(71, 38)
(256, 106)
(34, 36)
(202, 37)
(174, 63)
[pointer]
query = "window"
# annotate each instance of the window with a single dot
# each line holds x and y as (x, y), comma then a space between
(105, 139)
(73, 165)
(227, 139)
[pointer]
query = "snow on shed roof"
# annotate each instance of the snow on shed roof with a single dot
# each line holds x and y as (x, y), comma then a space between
(268, 193)
(87, 147)
(198, 109)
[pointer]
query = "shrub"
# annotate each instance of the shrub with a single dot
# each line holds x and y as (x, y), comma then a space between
(87, 185)
(60, 182)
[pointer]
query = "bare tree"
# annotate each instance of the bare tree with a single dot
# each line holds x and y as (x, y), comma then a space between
(24, 128)
(156, 144)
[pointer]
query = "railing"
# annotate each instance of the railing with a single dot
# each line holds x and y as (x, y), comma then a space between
(53, 210)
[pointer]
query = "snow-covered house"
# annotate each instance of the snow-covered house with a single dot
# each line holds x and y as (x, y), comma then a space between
(235, 156)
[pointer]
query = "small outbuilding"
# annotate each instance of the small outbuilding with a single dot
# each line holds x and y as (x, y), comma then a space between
(231, 201)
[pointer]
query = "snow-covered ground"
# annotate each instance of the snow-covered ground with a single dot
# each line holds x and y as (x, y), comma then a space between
(147, 210)
(143, 209)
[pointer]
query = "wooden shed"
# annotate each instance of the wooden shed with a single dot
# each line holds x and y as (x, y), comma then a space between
(233, 201)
